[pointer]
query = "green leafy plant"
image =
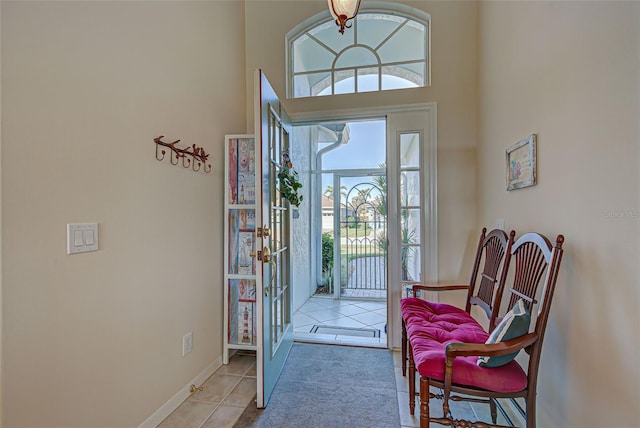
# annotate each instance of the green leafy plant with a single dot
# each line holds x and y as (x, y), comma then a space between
(327, 264)
(327, 252)
(289, 184)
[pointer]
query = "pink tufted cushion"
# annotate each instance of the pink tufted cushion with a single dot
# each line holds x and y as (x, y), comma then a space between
(432, 326)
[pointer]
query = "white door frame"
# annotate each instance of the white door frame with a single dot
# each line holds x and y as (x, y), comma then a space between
(430, 163)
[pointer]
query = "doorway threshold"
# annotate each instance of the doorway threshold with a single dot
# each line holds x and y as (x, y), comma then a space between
(339, 321)
(337, 340)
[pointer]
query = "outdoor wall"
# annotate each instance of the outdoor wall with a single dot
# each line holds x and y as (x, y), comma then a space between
(95, 339)
(303, 278)
(454, 88)
(568, 72)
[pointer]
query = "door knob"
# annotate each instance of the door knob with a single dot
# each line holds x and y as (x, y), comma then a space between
(266, 255)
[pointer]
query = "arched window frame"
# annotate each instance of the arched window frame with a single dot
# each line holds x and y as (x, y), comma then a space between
(337, 74)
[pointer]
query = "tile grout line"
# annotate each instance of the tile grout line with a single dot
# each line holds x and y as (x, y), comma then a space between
(226, 396)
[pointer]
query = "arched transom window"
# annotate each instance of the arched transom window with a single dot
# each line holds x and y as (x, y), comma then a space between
(383, 50)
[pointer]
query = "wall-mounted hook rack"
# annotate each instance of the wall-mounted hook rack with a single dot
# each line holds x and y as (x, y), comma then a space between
(194, 157)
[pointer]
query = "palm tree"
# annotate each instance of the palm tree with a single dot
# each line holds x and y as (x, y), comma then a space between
(328, 191)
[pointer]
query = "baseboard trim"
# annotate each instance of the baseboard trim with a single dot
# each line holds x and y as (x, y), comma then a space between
(174, 402)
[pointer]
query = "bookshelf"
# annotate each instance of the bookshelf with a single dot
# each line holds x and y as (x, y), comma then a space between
(240, 310)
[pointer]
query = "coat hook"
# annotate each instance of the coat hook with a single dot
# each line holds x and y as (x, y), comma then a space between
(190, 155)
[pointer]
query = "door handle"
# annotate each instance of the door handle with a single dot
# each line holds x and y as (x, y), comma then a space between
(266, 256)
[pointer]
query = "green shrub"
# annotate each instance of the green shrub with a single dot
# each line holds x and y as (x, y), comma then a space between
(327, 252)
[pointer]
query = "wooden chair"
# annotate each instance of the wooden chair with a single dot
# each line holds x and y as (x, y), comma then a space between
(491, 249)
(456, 371)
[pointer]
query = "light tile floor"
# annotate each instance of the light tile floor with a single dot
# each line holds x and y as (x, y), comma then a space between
(232, 388)
(320, 310)
(223, 398)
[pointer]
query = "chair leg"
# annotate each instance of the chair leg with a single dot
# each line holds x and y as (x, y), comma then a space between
(494, 410)
(404, 349)
(424, 402)
(412, 383)
(531, 409)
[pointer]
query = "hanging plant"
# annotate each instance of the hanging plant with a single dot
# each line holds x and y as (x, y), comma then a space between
(288, 181)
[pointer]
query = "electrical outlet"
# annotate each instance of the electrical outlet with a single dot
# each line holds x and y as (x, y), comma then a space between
(187, 343)
(500, 223)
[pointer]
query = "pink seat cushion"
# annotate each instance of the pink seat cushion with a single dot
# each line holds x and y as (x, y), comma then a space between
(432, 326)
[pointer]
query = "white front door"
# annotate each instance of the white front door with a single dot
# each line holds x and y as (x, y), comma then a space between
(275, 327)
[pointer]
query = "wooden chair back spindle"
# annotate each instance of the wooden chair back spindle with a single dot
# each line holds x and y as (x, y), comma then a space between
(493, 246)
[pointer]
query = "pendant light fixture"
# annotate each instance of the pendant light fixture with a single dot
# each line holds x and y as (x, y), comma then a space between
(343, 11)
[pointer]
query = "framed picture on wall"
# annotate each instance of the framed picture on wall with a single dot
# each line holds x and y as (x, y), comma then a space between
(521, 163)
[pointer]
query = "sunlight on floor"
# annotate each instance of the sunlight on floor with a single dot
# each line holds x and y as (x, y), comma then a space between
(325, 311)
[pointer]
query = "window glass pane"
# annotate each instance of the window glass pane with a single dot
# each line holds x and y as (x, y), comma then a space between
(403, 76)
(395, 78)
(410, 263)
(410, 226)
(328, 34)
(368, 79)
(408, 44)
(410, 189)
(373, 28)
(308, 55)
(410, 150)
(276, 321)
(356, 56)
(345, 82)
(306, 85)
(415, 72)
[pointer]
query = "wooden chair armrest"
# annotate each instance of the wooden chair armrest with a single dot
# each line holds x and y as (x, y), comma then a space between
(490, 350)
(438, 288)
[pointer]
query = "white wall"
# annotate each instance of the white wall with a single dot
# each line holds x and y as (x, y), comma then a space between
(569, 72)
(95, 339)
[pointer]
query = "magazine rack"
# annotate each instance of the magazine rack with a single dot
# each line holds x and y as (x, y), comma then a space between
(239, 245)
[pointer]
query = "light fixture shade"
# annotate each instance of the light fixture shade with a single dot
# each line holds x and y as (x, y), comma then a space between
(343, 11)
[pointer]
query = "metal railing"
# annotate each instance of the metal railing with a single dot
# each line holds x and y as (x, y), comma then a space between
(363, 244)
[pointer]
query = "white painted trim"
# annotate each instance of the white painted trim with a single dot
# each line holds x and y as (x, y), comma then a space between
(174, 402)
(432, 188)
(306, 118)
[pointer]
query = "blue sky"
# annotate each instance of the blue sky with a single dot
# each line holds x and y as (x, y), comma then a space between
(365, 149)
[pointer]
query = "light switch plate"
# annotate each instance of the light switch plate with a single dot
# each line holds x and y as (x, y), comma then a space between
(82, 237)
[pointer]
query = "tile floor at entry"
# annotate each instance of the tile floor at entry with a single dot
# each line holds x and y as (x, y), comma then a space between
(232, 388)
(223, 398)
(351, 313)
